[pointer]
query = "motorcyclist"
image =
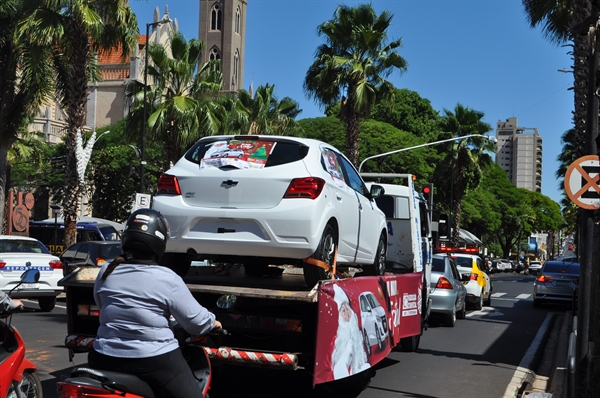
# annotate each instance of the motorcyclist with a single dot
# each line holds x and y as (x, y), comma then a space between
(136, 297)
(6, 303)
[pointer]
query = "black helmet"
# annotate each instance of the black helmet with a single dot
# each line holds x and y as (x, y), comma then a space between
(146, 230)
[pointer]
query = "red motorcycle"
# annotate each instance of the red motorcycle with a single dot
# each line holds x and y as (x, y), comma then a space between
(18, 378)
(88, 383)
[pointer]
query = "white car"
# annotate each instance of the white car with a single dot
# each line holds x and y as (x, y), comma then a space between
(479, 285)
(19, 253)
(287, 200)
(535, 267)
(373, 321)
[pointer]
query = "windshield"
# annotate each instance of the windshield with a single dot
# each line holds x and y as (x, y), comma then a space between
(22, 246)
(437, 264)
(465, 262)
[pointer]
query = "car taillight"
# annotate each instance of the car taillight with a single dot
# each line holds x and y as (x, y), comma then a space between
(168, 185)
(473, 277)
(68, 390)
(56, 264)
(100, 262)
(308, 188)
(2, 264)
(443, 283)
(544, 279)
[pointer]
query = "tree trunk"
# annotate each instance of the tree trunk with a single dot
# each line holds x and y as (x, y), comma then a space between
(3, 174)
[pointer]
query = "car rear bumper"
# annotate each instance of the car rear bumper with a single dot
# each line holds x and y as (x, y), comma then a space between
(442, 302)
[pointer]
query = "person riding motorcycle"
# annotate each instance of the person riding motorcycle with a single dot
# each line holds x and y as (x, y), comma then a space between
(7, 304)
(136, 298)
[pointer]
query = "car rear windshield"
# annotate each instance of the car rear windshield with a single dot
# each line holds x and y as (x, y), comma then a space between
(465, 262)
(21, 246)
(281, 152)
(569, 268)
(109, 251)
(438, 264)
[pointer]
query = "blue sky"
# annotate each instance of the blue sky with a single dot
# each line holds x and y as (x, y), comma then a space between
(480, 53)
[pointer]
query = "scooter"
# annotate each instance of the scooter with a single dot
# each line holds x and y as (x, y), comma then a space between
(18, 377)
(87, 383)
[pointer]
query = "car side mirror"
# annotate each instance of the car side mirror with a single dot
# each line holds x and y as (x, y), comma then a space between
(376, 191)
(30, 276)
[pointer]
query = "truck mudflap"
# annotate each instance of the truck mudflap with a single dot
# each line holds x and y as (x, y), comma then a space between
(361, 320)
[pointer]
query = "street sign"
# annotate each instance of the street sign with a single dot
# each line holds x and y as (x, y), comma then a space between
(581, 182)
(142, 201)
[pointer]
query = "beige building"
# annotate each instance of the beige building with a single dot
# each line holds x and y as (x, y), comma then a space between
(519, 153)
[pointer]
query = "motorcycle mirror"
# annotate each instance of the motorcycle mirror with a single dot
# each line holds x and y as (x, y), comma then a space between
(227, 301)
(30, 276)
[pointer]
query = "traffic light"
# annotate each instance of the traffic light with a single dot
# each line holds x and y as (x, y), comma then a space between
(444, 226)
(428, 195)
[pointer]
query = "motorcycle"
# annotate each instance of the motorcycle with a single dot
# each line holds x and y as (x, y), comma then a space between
(18, 377)
(87, 383)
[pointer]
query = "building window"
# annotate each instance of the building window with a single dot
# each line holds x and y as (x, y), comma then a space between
(236, 65)
(238, 18)
(216, 17)
(215, 55)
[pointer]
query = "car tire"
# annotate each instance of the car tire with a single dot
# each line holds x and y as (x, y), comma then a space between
(410, 344)
(463, 312)
(450, 320)
(179, 263)
(366, 343)
(325, 252)
(47, 303)
(488, 301)
(479, 303)
(378, 266)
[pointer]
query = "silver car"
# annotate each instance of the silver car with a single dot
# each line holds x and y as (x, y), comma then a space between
(556, 281)
(449, 294)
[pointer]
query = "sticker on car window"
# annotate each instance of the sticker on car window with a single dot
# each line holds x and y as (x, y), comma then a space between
(332, 166)
(243, 154)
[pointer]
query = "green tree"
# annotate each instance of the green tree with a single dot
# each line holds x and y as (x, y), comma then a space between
(25, 81)
(352, 65)
(77, 31)
(465, 158)
(182, 101)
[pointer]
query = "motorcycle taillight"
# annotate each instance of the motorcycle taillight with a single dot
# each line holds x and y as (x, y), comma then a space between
(70, 390)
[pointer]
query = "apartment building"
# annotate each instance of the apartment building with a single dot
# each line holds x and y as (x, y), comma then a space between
(519, 153)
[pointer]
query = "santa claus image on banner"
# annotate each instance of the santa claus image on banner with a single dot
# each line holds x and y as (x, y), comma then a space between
(348, 356)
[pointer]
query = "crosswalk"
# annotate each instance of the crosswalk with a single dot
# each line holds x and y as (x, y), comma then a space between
(505, 297)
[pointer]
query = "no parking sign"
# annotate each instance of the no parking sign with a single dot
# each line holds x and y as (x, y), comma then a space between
(142, 201)
(581, 182)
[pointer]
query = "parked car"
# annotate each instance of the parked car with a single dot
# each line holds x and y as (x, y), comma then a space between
(479, 286)
(448, 292)
(503, 265)
(19, 253)
(556, 282)
(287, 200)
(373, 321)
(89, 254)
(534, 267)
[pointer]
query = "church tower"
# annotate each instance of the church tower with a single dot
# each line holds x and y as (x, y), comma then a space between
(223, 29)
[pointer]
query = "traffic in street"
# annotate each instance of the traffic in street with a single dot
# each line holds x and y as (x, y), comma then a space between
(475, 358)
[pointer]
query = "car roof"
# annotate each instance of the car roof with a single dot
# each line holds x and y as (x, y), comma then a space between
(18, 237)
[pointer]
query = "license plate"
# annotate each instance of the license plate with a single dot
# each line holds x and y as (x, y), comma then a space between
(563, 283)
(29, 286)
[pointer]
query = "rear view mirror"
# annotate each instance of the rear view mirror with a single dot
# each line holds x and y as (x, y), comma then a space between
(377, 191)
(30, 276)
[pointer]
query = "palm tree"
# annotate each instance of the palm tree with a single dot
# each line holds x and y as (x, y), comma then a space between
(76, 31)
(352, 65)
(183, 100)
(467, 156)
(25, 69)
(266, 114)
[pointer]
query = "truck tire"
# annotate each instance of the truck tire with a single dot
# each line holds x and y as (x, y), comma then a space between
(410, 344)
(378, 266)
(180, 263)
(47, 303)
(325, 252)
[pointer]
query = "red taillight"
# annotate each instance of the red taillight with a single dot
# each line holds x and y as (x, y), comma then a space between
(56, 264)
(100, 262)
(168, 185)
(68, 390)
(473, 277)
(2, 264)
(443, 283)
(308, 188)
(544, 279)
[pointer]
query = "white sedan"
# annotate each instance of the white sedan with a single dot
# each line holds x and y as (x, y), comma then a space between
(19, 253)
(283, 201)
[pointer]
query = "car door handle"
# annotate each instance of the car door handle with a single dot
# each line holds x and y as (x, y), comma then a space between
(338, 196)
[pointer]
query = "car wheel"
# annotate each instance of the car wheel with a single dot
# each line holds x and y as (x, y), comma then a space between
(47, 303)
(410, 344)
(378, 266)
(325, 252)
(451, 319)
(366, 343)
(463, 312)
(479, 303)
(179, 263)
(488, 301)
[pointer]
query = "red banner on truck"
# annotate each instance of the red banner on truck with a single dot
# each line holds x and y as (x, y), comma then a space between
(360, 320)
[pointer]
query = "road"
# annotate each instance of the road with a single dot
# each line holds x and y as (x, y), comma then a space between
(475, 359)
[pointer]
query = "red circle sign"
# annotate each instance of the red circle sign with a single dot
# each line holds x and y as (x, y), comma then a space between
(581, 182)
(20, 218)
(29, 201)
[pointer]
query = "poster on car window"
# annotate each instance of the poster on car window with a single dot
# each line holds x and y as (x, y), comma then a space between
(333, 167)
(242, 154)
(360, 320)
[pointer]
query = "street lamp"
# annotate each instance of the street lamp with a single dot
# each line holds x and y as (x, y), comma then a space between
(493, 139)
(165, 19)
